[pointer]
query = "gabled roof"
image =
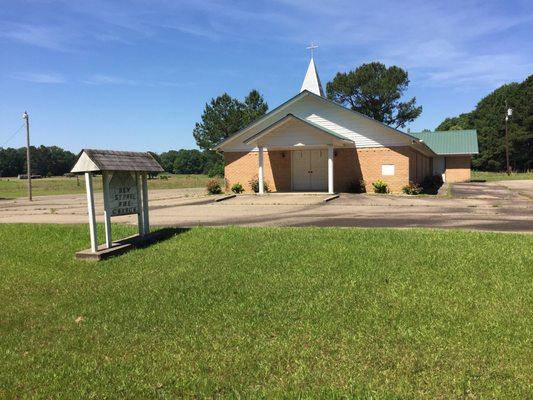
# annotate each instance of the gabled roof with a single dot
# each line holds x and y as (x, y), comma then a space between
(450, 142)
(288, 117)
(305, 93)
(260, 119)
(90, 160)
(312, 81)
(364, 116)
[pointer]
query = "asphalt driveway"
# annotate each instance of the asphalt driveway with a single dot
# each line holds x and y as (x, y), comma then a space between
(495, 206)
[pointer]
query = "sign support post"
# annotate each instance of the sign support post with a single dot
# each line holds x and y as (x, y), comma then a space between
(140, 210)
(90, 209)
(106, 176)
(146, 222)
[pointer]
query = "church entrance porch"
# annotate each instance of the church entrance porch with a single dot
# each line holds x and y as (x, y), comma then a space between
(310, 148)
(310, 170)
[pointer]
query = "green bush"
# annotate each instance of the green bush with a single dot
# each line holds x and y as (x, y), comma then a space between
(216, 170)
(432, 184)
(412, 189)
(380, 186)
(213, 187)
(254, 184)
(164, 177)
(357, 187)
(237, 188)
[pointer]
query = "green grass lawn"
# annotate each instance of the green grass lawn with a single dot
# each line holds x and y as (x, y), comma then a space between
(13, 187)
(500, 176)
(273, 312)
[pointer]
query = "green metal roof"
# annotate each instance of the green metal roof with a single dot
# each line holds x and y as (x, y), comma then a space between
(450, 142)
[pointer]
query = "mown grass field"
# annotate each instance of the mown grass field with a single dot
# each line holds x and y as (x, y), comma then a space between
(13, 187)
(273, 312)
(500, 176)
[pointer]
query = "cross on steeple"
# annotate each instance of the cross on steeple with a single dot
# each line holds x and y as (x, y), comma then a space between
(312, 47)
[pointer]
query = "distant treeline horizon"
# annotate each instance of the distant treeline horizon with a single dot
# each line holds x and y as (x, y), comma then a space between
(56, 161)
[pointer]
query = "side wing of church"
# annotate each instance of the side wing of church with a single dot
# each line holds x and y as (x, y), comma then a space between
(312, 144)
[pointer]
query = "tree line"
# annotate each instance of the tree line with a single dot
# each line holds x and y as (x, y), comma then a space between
(45, 161)
(489, 119)
(55, 161)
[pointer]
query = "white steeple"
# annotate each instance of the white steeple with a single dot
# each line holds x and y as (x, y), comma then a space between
(312, 81)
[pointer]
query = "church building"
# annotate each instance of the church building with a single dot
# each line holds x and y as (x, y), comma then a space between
(311, 144)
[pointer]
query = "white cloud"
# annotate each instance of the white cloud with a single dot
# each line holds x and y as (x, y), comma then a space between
(37, 77)
(492, 70)
(99, 79)
(103, 79)
(51, 38)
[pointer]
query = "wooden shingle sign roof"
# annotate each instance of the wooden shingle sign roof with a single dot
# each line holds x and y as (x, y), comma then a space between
(91, 160)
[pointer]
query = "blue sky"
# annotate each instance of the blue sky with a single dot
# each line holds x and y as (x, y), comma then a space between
(136, 74)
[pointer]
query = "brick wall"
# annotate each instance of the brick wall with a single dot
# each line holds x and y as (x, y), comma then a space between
(420, 166)
(242, 167)
(370, 162)
(346, 169)
(350, 166)
(458, 168)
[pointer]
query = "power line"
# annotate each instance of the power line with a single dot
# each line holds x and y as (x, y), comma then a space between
(13, 135)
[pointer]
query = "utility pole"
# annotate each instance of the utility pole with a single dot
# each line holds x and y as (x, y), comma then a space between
(508, 113)
(26, 117)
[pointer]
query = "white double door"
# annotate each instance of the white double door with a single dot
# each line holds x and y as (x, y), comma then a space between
(310, 170)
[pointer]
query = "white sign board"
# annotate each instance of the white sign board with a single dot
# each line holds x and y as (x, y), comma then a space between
(123, 199)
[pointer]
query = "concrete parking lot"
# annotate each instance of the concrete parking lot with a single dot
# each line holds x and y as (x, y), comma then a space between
(495, 206)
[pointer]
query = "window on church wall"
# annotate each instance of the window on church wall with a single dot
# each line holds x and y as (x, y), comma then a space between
(387, 169)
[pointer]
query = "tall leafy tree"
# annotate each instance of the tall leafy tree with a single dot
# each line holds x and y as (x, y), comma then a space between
(461, 122)
(254, 106)
(489, 119)
(225, 115)
(221, 118)
(376, 91)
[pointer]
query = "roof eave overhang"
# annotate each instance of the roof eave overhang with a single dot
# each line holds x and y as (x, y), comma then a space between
(423, 148)
(86, 163)
(458, 154)
(334, 138)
